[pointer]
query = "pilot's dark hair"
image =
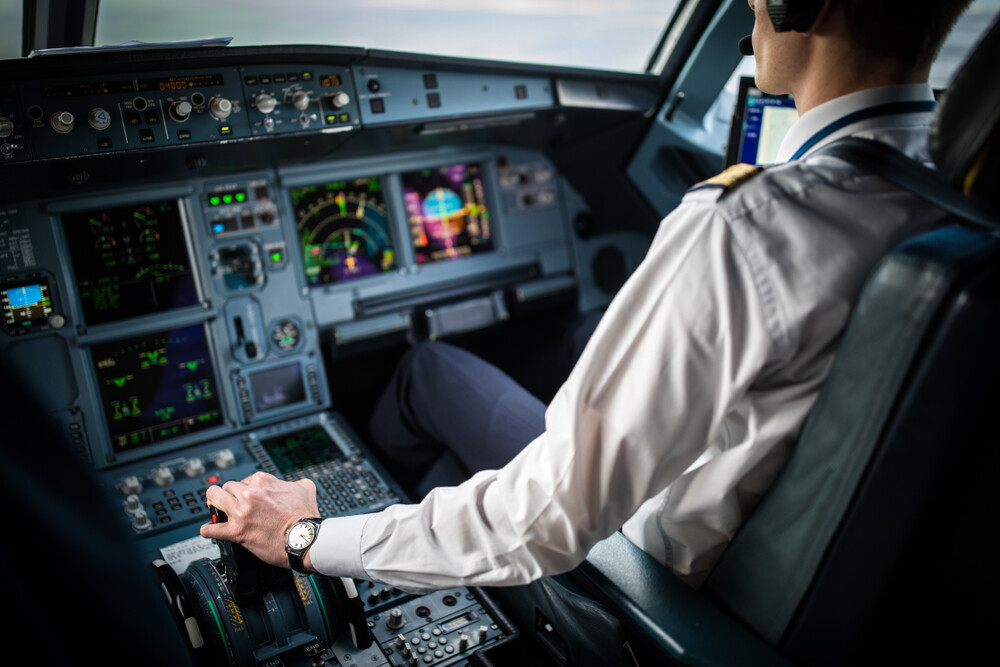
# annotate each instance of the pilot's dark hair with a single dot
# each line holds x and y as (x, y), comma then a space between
(910, 31)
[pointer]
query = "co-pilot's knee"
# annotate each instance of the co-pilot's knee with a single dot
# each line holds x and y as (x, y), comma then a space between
(427, 357)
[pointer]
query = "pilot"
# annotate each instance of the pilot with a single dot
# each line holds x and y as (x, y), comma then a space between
(690, 393)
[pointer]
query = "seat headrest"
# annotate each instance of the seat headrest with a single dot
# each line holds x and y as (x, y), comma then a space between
(965, 137)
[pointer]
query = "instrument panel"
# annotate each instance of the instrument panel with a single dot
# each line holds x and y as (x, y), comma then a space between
(185, 245)
(193, 310)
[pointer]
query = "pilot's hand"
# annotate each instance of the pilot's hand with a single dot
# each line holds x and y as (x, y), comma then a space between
(260, 509)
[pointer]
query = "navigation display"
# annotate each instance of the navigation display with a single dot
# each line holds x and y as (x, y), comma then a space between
(157, 386)
(130, 261)
(342, 230)
(446, 212)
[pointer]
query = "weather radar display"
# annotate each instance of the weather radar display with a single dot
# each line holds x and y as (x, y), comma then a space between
(342, 230)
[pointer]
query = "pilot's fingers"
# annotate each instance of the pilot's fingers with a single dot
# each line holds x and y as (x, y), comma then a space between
(216, 531)
(221, 498)
(221, 501)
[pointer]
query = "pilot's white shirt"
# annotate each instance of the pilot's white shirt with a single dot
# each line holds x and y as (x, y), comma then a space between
(692, 390)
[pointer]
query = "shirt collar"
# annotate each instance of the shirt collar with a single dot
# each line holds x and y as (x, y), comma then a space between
(820, 117)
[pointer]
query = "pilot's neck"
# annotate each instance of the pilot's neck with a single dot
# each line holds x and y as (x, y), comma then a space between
(836, 71)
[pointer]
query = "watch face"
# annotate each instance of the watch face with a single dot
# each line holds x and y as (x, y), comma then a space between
(301, 535)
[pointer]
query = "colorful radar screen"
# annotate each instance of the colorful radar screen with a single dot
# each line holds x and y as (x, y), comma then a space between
(446, 211)
(342, 230)
(130, 261)
(25, 305)
(157, 387)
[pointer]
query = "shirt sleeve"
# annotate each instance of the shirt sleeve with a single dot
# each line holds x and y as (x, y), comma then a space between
(678, 345)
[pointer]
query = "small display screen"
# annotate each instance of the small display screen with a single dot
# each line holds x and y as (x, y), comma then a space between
(342, 230)
(158, 84)
(130, 261)
(760, 123)
(458, 622)
(298, 450)
(277, 387)
(25, 304)
(446, 212)
(157, 386)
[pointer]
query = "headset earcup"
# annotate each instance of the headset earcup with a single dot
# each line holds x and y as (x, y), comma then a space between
(797, 15)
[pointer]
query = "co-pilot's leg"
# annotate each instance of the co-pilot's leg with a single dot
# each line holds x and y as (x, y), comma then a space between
(444, 397)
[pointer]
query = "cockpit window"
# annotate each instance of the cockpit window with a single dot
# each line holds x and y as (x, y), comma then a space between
(606, 34)
(968, 31)
(10, 28)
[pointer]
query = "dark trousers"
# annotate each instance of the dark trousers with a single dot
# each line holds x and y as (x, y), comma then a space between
(443, 401)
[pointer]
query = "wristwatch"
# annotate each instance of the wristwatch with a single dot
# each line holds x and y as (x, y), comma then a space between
(298, 539)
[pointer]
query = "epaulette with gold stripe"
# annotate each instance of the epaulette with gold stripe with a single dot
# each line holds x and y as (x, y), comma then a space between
(730, 178)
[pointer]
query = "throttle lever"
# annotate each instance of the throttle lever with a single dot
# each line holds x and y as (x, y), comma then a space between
(345, 592)
(246, 574)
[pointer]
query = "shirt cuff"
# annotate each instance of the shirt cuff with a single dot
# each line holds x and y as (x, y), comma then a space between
(337, 549)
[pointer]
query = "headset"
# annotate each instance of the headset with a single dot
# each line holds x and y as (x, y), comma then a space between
(797, 15)
(785, 15)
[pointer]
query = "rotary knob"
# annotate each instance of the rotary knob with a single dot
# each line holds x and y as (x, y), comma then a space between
(62, 122)
(265, 103)
(163, 476)
(395, 620)
(225, 458)
(131, 485)
(99, 118)
(6, 127)
(140, 520)
(181, 111)
(339, 100)
(220, 108)
(194, 468)
(133, 505)
(300, 100)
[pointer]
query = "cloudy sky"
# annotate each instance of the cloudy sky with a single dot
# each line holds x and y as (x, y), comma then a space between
(612, 34)
(616, 34)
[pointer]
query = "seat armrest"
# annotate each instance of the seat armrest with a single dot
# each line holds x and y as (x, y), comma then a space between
(675, 620)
